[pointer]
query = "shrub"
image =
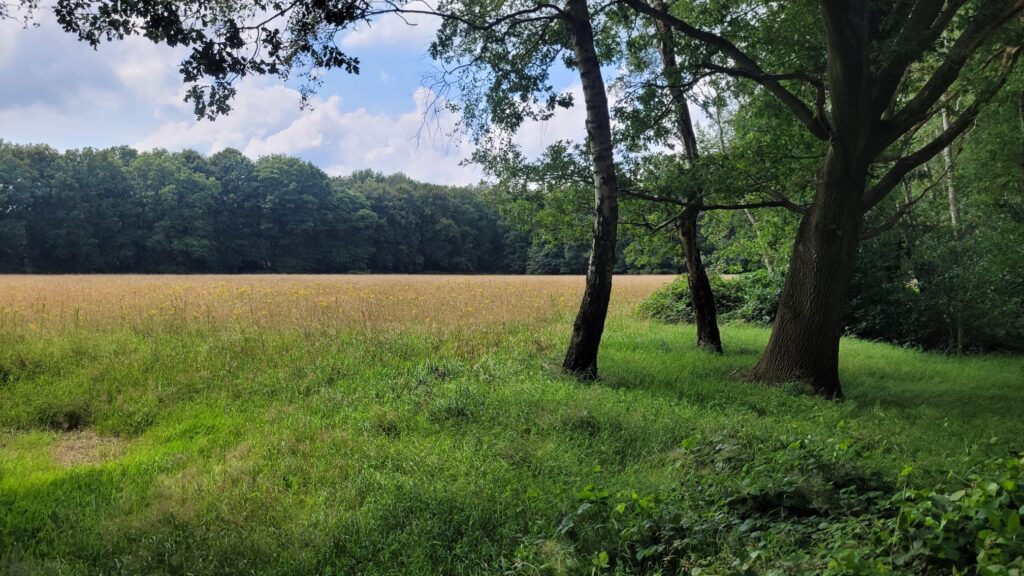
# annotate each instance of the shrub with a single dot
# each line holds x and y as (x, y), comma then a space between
(751, 297)
(801, 505)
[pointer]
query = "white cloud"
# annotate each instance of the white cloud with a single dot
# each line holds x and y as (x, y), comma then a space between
(567, 124)
(392, 30)
(56, 90)
(267, 119)
(8, 41)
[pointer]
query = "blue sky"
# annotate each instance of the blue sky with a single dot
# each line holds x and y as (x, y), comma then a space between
(57, 91)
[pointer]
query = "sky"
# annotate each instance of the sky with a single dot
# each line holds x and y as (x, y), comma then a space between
(55, 90)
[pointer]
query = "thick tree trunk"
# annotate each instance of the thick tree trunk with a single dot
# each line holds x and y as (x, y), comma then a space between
(804, 344)
(581, 358)
(705, 315)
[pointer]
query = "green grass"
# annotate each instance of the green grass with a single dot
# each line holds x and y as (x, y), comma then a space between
(292, 452)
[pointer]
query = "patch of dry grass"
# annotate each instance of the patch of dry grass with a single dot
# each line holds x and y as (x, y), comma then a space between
(85, 447)
(371, 301)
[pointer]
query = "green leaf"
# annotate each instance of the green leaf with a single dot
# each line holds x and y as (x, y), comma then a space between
(1012, 522)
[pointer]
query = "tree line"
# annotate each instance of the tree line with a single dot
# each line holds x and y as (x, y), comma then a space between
(119, 210)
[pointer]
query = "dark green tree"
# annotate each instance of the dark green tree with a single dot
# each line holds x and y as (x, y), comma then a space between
(177, 216)
(882, 70)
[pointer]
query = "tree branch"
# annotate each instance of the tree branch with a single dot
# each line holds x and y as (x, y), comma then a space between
(904, 165)
(513, 19)
(654, 229)
(652, 197)
(781, 202)
(925, 23)
(751, 205)
(973, 37)
(750, 69)
(903, 210)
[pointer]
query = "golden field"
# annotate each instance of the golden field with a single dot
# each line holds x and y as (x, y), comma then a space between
(48, 303)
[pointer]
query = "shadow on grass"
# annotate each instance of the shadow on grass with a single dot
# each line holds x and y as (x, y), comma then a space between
(879, 379)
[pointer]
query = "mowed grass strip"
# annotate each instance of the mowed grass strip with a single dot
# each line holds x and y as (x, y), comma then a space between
(299, 443)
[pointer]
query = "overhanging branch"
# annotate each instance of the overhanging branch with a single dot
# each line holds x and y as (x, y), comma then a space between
(974, 36)
(905, 209)
(904, 165)
(745, 64)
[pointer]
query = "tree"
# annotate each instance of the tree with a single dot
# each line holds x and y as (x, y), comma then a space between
(177, 216)
(227, 41)
(15, 206)
(236, 221)
(295, 202)
(233, 40)
(95, 226)
(22, 10)
(501, 54)
(686, 224)
(353, 225)
(886, 71)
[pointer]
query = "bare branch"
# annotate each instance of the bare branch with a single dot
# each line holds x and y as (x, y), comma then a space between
(654, 229)
(652, 197)
(519, 17)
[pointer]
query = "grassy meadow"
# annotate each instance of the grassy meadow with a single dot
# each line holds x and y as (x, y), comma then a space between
(404, 425)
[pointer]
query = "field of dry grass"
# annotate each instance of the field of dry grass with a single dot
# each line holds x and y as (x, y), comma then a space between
(379, 301)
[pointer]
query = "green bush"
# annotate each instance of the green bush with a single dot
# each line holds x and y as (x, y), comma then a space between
(751, 297)
(800, 505)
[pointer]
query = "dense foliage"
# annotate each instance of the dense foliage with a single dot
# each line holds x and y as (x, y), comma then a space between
(118, 210)
(920, 280)
(799, 505)
(750, 298)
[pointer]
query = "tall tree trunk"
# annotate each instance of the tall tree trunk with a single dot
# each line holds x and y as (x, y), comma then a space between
(804, 345)
(581, 358)
(702, 298)
(947, 157)
(954, 219)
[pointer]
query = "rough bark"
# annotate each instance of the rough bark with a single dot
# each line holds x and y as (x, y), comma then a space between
(702, 299)
(581, 357)
(804, 345)
(866, 118)
(705, 314)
